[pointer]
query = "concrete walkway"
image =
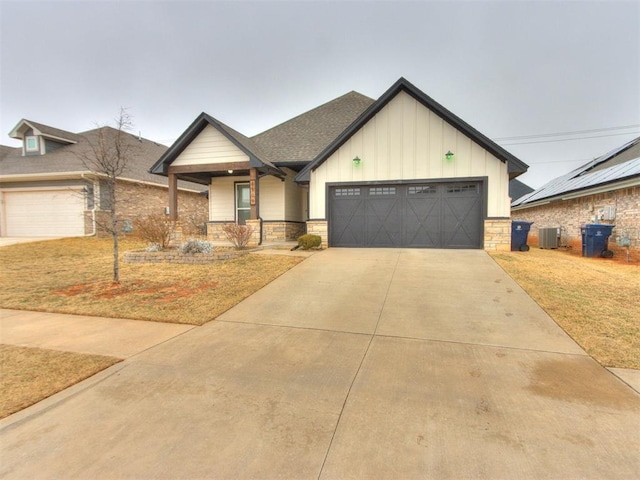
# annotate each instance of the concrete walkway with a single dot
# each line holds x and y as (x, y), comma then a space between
(354, 364)
(112, 337)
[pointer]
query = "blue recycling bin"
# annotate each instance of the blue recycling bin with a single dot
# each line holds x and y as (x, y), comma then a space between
(519, 234)
(595, 240)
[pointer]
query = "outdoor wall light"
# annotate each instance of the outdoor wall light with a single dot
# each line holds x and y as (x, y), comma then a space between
(356, 161)
(229, 172)
(448, 155)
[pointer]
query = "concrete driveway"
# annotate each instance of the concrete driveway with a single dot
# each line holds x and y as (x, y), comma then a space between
(6, 241)
(354, 364)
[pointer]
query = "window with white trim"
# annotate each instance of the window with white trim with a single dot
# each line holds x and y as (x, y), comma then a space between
(31, 144)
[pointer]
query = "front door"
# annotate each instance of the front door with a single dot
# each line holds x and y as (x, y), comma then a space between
(243, 203)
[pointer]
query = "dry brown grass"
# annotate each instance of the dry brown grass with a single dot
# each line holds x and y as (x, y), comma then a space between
(596, 301)
(33, 374)
(74, 276)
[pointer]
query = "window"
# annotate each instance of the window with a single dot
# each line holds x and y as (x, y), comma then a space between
(347, 192)
(31, 144)
(382, 191)
(243, 203)
(463, 188)
(89, 193)
(421, 189)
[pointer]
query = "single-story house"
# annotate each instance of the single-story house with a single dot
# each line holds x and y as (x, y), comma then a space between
(46, 188)
(399, 171)
(605, 190)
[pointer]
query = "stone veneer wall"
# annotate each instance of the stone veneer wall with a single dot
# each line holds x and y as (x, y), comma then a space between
(271, 231)
(177, 257)
(282, 231)
(497, 234)
(571, 214)
(319, 227)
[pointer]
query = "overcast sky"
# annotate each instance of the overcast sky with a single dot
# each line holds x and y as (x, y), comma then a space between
(509, 68)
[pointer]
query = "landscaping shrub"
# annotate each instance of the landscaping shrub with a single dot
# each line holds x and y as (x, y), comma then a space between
(239, 235)
(195, 245)
(153, 247)
(154, 228)
(194, 224)
(309, 241)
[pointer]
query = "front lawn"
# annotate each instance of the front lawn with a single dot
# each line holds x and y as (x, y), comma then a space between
(74, 276)
(33, 374)
(595, 300)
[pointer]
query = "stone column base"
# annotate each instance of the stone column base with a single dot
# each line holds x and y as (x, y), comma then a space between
(320, 228)
(255, 236)
(497, 234)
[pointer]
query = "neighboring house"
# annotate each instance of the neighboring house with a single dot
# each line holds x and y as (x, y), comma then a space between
(518, 189)
(47, 190)
(605, 190)
(400, 171)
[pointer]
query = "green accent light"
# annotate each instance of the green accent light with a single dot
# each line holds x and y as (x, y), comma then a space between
(448, 155)
(356, 161)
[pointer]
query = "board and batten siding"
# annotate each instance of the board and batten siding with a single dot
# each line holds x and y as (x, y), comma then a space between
(407, 141)
(278, 200)
(210, 146)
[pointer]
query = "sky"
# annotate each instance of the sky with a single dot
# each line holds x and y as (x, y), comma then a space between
(565, 75)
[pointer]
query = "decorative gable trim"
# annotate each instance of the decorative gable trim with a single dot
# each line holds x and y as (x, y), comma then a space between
(515, 166)
(161, 167)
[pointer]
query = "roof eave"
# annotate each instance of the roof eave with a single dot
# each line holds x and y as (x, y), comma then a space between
(581, 192)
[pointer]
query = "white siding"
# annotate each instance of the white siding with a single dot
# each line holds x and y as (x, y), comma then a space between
(295, 199)
(406, 141)
(271, 198)
(222, 198)
(210, 146)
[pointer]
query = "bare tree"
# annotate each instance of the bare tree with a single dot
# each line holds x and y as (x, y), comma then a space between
(108, 157)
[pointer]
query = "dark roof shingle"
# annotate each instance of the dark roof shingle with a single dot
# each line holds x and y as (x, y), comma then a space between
(303, 137)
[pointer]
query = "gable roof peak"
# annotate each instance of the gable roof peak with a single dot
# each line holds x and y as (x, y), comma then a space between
(53, 133)
(515, 165)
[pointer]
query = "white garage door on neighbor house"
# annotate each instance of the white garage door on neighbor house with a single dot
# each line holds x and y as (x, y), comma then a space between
(50, 213)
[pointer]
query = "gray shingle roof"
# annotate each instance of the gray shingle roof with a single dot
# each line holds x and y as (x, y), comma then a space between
(303, 137)
(69, 158)
(46, 130)
(600, 171)
(297, 140)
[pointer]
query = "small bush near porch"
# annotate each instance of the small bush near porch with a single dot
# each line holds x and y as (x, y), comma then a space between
(74, 276)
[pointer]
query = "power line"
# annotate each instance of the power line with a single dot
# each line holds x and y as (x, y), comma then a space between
(570, 139)
(561, 134)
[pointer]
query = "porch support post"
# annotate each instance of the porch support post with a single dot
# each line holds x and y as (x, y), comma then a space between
(173, 197)
(254, 189)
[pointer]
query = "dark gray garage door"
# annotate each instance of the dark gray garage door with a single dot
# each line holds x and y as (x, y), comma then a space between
(429, 215)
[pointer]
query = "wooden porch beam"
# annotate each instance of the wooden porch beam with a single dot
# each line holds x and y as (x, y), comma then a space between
(254, 187)
(209, 168)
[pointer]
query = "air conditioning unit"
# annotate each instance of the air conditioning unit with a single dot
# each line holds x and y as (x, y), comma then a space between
(548, 237)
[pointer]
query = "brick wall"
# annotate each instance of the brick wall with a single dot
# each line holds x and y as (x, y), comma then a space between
(139, 200)
(571, 214)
